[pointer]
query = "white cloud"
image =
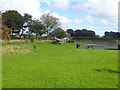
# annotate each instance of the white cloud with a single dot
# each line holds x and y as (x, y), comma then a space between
(105, 22)
(104, 9)
(58, 4)
(89, 19)
(62, 4)
(47, 11)
(55, 15)
(48, 2)
(65, 20)
(78, 21)
(23, 6)
(66, 23)
(99, 8)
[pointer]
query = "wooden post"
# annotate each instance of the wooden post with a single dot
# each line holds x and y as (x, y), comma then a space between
(35, 42)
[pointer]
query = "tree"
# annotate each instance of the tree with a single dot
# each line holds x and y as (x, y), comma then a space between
(59, 33)
(90, 33)
(26, 17)
(112, 35)
(118, 35)
(77, 33)
(50, 22)
(70, 31)
(35, 26)
(83, 33)
(12, 18)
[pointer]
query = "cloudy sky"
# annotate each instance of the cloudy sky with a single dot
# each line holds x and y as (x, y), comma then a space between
(97, 15)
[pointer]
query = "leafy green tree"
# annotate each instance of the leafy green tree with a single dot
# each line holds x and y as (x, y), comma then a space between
(112, 35)
(59, 33)
(12, 18)
(70, 31)
(35, 26)
(83, 33)
(50, 22)
(26, 17)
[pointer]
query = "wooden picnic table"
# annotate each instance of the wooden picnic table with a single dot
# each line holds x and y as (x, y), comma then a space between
(90, 46)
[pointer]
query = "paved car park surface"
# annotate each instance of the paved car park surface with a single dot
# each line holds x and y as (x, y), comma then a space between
(100, 46)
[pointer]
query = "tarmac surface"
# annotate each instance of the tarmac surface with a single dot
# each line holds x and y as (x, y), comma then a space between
(100, 46)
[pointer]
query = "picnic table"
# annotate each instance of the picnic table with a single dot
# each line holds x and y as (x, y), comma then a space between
(56, 42)
(90, 46)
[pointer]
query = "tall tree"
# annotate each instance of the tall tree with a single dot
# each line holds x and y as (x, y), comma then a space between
(112, 35)
(59, 33)
(26, 17)
(35, 26)
(70, 31)
(83, 33)
(12, 18)
(51, 23)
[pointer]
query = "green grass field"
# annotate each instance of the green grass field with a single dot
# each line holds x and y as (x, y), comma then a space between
(59, 66)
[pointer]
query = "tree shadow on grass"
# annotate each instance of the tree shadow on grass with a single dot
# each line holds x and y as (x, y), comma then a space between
(108, 70)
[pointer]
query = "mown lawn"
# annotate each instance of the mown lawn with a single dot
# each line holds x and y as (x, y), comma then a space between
(60, 66)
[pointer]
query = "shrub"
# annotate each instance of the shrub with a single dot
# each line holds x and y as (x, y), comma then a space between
(5, 33)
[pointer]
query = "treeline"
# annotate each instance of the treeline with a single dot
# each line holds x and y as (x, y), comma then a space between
(112, 35)
(16, 22)
(48, 25)
(81, 33)
(89, 34)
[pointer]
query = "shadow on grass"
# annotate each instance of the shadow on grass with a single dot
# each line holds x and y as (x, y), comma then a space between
(108, 70)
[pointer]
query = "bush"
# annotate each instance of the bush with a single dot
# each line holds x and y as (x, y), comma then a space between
(15, 37)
